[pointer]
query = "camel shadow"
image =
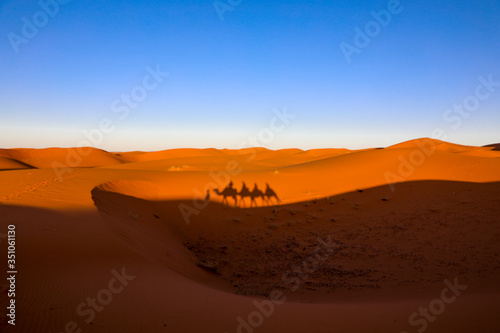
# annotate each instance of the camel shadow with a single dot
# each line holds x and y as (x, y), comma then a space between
(267, 196)
(228, 192)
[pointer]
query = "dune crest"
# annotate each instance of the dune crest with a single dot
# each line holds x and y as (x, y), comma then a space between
(134, 188)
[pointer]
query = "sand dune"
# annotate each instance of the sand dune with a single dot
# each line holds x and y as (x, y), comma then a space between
(435, 143)
(73, 157)
(496, 146)
(439, 145)
(12, 164)
(390, 252)
(397, 222)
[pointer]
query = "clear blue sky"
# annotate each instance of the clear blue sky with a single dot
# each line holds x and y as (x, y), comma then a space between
(226, 76)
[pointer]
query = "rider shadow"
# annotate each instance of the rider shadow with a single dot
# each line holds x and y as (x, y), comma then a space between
(228, 192)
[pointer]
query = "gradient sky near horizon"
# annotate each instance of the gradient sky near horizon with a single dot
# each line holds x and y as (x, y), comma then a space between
(226, 76)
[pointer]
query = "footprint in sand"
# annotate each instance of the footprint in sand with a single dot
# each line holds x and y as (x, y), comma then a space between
(32, 187)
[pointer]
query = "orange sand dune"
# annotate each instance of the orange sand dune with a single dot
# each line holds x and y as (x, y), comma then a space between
(11, 164)
(139, 156)
(208, 159)
(73, 157)
(485, 151)
(437, 144)
(353, 241)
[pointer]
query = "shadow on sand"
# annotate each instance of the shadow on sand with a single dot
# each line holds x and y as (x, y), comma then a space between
(267, 196)
(384, 238)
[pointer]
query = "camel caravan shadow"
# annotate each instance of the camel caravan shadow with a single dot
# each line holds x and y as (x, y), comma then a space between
(267, 196)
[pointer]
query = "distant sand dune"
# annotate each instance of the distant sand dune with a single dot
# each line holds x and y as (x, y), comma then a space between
(12, 164)
(45, 158)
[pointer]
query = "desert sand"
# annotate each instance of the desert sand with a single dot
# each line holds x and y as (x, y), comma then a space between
(397, 239)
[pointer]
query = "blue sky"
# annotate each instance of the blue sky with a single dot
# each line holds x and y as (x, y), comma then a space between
(229, 71)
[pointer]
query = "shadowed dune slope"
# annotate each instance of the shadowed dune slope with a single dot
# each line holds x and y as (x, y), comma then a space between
(496, 146)
(12, 164)
(393, 245)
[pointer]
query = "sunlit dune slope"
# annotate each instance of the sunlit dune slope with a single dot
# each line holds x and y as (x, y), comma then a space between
(212, 159)
(439, 145)
(174, 159)
(62, 157)
(392, 165)
(140, 156)
(295, 175)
